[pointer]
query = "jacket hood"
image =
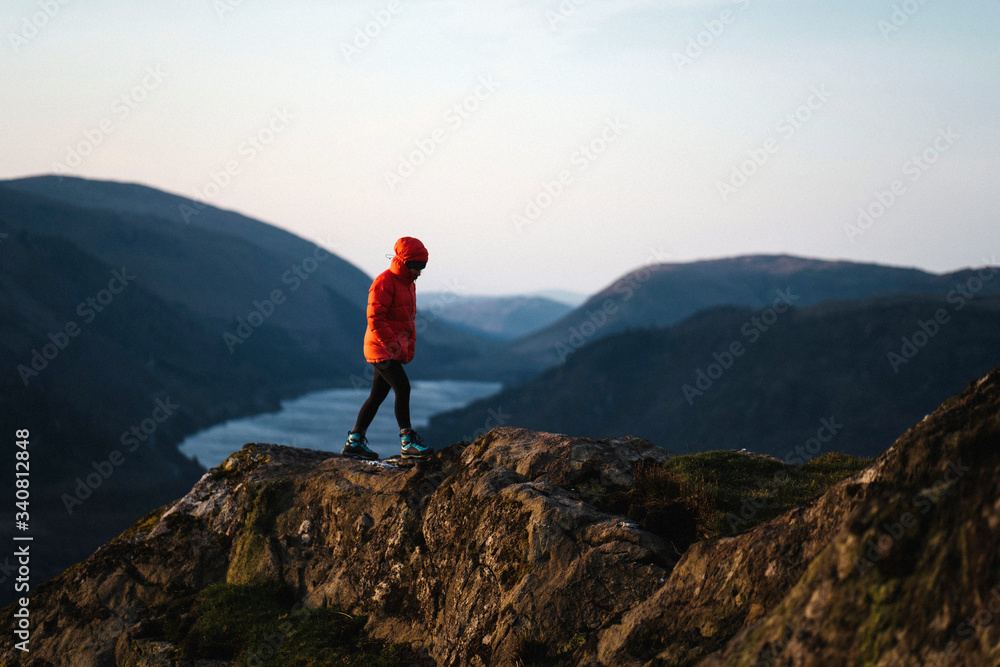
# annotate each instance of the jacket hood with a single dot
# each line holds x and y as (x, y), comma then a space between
(409, 248)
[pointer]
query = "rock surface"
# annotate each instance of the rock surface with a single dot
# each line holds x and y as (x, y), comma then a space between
(488, 545)
(467, 554)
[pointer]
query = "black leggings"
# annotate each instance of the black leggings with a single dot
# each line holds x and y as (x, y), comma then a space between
(388, 375)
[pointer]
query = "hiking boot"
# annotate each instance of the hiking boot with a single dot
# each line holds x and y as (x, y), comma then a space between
(412, 446)
(357, 447)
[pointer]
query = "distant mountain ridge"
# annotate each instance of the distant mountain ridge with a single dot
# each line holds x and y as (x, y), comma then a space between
(664, 294)
(501, 317)
(661, 295)
(735, 378)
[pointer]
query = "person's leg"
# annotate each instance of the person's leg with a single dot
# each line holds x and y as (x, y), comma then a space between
(394, 375)
(380, 389)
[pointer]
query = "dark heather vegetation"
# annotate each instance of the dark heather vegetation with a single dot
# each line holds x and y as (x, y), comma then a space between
(722, 493)
(261, 624)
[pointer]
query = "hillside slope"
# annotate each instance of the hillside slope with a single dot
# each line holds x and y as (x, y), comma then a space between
(219, 276)
(140, 202)
(126, 372)
(499, 551)
(684, 389)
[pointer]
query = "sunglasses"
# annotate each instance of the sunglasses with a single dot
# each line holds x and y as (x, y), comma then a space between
(416, 265)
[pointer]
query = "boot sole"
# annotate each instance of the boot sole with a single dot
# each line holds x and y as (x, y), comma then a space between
(362, 457)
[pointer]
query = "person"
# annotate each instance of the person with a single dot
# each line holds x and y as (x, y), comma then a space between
(389, 344)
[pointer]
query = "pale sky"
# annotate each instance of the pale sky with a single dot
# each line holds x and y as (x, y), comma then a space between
(532, 145)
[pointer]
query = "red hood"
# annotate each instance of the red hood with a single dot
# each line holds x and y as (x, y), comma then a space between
(407, 249)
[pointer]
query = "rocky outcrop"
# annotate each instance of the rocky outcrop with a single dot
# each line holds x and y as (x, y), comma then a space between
(491, 547)
(896, 566)
(910, 576)
(468, 554)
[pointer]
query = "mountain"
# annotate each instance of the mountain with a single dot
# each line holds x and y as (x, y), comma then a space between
(573, 299)
(660, 295)
(532, 548)
(868, 368)
(224, 266)
(225, 279)
(499, 317)
(139, 202)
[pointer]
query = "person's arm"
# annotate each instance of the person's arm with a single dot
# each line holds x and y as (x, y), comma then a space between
(379, 301)
(410, 341)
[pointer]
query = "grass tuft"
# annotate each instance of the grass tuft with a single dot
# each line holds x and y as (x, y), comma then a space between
(232, 616)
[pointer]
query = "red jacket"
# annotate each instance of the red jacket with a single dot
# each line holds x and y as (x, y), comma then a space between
(392, 307)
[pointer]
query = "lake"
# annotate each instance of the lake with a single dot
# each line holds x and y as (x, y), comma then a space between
(321, 420)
